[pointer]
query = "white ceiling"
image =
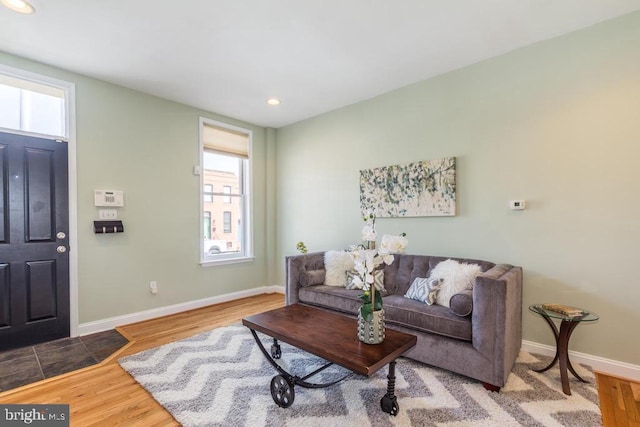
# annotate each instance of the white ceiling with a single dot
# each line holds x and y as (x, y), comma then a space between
(228, 56)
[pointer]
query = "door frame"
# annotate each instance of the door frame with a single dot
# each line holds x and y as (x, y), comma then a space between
(70, 96)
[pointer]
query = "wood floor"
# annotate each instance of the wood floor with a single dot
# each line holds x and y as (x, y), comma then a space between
(619, 401)
(105, 395)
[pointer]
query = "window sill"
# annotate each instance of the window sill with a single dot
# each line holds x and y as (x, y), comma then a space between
(227, 261)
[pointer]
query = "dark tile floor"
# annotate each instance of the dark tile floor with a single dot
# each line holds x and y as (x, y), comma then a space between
(30, 364)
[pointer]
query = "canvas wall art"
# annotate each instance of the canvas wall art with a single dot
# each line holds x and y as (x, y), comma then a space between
(426, 188)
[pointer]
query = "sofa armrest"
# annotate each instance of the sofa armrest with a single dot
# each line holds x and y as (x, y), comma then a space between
(296, 265)
(497, 315)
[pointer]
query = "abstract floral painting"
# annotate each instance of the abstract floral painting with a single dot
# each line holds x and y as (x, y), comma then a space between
(426, 188)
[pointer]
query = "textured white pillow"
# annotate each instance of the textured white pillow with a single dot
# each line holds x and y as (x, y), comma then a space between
(455, 276)
(336, 265)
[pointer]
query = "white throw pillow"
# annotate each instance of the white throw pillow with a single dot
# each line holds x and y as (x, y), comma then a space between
(336, 265)
(455, 276)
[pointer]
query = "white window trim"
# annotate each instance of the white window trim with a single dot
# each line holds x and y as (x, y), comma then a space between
(248, 256)
(69, 97)
(70, 133)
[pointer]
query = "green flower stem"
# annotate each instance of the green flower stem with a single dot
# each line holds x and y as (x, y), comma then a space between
(369, 306)
(373, 294)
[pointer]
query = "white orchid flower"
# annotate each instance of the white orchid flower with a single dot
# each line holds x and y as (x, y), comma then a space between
(361, 268)
(369, 259)
(393, 244)
(369, 233)
(388, 259)
(369, 279)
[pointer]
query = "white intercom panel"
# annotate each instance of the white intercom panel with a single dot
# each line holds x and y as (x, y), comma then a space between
(109, 198)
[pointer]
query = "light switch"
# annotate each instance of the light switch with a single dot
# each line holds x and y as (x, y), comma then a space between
(108, 214)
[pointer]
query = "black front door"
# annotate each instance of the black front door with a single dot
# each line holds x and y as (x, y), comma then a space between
(34, 229)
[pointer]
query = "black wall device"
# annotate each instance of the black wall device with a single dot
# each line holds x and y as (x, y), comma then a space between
(100, 227)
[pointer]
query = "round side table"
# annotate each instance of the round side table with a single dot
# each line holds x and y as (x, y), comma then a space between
(567, 325)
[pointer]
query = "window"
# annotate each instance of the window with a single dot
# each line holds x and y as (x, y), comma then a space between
(32, 107)
(227, 222)
(208, 193)
(225, 168)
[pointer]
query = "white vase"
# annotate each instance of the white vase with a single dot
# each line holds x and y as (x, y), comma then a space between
(371, 332)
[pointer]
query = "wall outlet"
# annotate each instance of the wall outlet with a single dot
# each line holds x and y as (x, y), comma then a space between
(108, 214)
(153, 287)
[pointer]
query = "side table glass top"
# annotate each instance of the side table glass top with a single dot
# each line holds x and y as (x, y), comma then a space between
(586, 316)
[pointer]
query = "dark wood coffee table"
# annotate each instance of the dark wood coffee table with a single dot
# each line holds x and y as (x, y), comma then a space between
(332, 337)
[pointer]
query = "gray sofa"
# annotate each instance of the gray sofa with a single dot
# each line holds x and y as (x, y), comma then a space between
(482, 345)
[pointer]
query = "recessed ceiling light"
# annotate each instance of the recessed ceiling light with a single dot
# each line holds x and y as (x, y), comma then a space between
(19, 6)
(273, 101)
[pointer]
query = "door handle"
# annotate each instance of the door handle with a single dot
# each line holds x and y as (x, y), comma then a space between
(61, 235)
(61, 249)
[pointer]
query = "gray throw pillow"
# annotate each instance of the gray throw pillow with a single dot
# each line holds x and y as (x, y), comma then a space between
(461, 304)
(312, 277)
(424, 290)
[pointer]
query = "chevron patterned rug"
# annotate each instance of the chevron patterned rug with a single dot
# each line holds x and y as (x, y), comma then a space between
(220, 378)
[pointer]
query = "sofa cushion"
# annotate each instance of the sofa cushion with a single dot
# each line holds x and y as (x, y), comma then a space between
(312, 277)
(340, 299)
(400, 274)
(424, 290)
(336, 265)
(484, 265)
(426, 318)
(456, 277)
(461, 304)
(378, 277)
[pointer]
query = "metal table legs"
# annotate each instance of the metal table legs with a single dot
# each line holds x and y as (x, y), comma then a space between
(389, 402)
(283, 385)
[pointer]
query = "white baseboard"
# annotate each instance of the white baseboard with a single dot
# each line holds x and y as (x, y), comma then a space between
(600, 364)
(110, 323)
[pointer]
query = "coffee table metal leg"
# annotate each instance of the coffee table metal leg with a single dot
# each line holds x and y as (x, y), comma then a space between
(282, 386)
(389, 402)
(276, 352)
(282, 391)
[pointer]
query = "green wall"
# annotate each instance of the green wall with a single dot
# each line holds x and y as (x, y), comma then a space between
(147, 147)
(556, 123)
